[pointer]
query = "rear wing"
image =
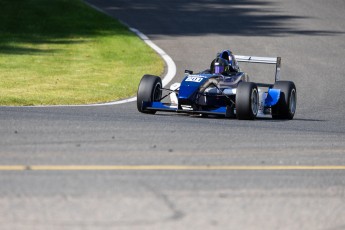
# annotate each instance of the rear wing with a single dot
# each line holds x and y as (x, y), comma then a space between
(264, 60)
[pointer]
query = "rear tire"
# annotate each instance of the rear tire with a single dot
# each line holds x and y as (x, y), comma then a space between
(247, 101)
(286, 106)
(149, 90)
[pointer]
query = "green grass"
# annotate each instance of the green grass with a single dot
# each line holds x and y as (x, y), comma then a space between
(64, 52)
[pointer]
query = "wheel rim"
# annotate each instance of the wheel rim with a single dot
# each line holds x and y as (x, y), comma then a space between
(157, 92)
(254, 102)
(292, 104)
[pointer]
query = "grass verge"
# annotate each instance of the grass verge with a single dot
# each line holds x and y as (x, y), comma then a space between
(64, 52)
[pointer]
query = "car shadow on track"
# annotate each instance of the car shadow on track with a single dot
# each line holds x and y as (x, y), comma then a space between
(215, 117)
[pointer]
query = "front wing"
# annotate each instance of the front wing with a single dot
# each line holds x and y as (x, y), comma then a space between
(164, 107)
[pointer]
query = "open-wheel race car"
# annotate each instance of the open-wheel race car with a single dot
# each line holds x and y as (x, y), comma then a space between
(222, 90)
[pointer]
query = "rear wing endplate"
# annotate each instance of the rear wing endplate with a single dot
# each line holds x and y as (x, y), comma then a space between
(264, 60)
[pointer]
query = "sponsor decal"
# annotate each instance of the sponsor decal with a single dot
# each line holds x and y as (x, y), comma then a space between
(194, 79)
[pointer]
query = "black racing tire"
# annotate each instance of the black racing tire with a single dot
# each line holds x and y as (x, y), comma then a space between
(286, 106)
(149, 90)
(247, 101)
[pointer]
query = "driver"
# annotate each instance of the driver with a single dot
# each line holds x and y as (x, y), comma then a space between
(220, 66)
(225, 63)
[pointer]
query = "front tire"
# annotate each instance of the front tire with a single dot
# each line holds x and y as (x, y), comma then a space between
(286, 106)
(149, 90)
(247, 101)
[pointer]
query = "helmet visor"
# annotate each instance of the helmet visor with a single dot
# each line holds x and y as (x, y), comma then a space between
(218, 69)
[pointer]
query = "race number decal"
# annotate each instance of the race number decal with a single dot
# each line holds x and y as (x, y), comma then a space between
(194, 79)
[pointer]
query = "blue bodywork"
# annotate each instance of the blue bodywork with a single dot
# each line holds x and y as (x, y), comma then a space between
(190, 90)
(190, 86)
(272, 98)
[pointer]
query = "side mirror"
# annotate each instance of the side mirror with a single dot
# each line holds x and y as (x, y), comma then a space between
(188, 71)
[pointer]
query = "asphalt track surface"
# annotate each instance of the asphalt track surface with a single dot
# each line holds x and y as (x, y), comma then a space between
(198, 172)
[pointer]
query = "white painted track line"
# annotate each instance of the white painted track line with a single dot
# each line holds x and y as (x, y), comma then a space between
(170, 66)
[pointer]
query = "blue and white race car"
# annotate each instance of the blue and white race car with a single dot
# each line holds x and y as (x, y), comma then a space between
(222, 90)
